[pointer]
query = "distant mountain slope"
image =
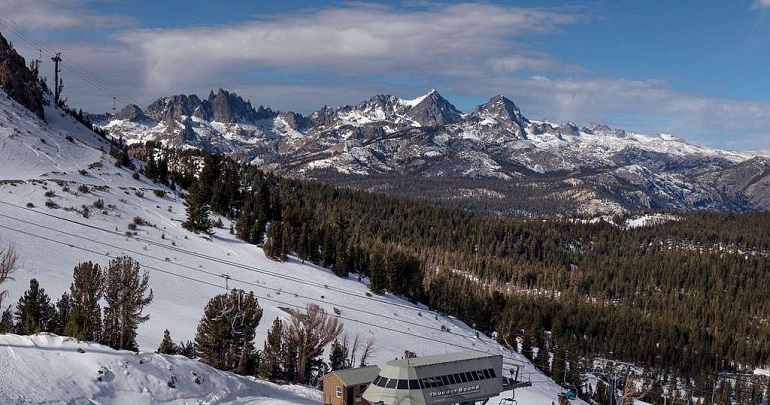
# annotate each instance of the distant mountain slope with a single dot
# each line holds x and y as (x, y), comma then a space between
(600, 169)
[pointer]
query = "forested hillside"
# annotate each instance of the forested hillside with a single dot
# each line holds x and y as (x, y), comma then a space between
(681, 296)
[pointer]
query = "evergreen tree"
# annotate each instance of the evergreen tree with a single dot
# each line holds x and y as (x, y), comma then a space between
(84, 321)
(270, 361)
(377, 264)
(167, 345)
(187, 349)
(126, 293)
(338, 356)
(198, 219)
(63, 311)
(34, 311)
(274, 246)
(227, 329)
(6, 321)
(290, 360)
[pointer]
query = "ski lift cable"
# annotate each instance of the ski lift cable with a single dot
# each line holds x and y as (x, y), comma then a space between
(254, 269)
(202, 271)
(153, 268)
(33, 40)
(72, 65)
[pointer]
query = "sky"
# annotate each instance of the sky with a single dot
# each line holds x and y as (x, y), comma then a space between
(696, 69)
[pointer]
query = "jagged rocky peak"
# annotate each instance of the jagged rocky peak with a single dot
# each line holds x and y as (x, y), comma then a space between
(172, 108)
(18, 81)
(222, 106)
(131, 112)
(230, 108)
(296, 121)
(433, 110)
(602, 129)
(501, 107)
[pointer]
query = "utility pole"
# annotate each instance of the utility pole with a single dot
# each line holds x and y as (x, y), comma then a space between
(56, 59)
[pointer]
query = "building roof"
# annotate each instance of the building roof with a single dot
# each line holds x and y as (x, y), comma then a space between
(356, 376)
(439, 359)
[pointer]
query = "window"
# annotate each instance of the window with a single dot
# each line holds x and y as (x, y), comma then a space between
(468, 376)
(486, 373)
(391, 383)
(463, 377)
(414, 384)
(339, 391)
(403, 385)
(492, 372)
(451, 378)
(445, 380)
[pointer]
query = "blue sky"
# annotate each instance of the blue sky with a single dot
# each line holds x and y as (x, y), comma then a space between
(695, 69)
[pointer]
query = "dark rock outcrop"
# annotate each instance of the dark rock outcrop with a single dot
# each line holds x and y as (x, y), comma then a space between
(18, 81)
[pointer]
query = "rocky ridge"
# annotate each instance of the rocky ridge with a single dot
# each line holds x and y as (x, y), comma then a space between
(599, 169)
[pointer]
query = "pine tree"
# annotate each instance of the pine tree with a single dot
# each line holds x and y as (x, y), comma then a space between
(126, 293)
(187, 349)
(63, 310)
(377, 264)
(270, 361)
(6, 321)
(198, 219)
(228, 321)
(338, 356)
(84, 321)
(34, 312)
(167, 345)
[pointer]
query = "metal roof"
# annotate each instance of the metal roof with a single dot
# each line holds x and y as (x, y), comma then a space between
(356, 376)
(440, 359)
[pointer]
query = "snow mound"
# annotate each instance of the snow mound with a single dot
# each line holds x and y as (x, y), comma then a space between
(47, 368)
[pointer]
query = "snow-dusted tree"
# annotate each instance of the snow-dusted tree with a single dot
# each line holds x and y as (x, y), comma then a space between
(6, 321)
(8, 262)
(227, 330)
(85, 318)
(126, 293)
(311, 331)
(270, 360)
(167, 345)
(34, 311)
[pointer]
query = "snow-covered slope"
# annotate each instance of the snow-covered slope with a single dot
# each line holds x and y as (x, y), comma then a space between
(185, 272)
(46, 368)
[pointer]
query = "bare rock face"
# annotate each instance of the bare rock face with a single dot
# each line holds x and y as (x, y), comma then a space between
(131, 112)
(434, 110)
(18, 81)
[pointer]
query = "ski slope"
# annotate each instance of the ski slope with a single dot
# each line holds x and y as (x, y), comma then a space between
(185, 272)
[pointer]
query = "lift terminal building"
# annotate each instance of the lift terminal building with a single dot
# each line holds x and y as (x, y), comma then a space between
(453, 378)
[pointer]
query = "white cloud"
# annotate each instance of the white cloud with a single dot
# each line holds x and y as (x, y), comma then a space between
(61, 14)
(652, 105)
(359, 39)
(758, 4)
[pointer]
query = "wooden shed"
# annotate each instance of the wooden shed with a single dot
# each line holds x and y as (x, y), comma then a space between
(346, 387)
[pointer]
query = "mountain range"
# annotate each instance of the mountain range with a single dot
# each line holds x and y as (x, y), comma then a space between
(491, 160)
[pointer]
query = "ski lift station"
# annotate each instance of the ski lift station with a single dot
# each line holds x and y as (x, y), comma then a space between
(453, 378)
